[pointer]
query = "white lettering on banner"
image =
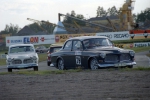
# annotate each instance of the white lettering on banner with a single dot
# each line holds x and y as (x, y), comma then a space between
(107, 35)
(142, 44)
(116, 35)
(121, 35)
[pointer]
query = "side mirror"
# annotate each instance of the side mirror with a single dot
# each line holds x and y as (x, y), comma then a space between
(6, 53)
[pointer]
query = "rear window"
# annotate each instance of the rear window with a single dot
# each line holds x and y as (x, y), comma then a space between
(54, 49)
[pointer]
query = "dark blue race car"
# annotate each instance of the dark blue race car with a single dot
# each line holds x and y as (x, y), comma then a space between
(91, 52)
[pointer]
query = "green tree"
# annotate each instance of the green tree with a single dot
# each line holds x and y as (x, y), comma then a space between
(112, 11)
(100, 12)
(13, 29)
(37, 27)
(143, 16)
(70, 20)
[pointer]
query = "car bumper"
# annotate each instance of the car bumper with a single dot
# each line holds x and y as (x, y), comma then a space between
(22, 66)
(120, 64)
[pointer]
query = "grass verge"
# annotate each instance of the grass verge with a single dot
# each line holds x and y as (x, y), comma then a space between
(47, 72)
(71, 71)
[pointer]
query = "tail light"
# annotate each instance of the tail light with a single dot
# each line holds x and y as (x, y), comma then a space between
(48, 57)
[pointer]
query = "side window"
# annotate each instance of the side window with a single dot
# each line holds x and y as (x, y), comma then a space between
(68, 45)
(77, 45)
(104, 42)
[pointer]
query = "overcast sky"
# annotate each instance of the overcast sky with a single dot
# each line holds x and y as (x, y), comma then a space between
(17, 11)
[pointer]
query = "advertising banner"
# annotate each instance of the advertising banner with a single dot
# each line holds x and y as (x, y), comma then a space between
(124, 35)
(34, 39)
(142, 44)
(140, 36)
(61, 38)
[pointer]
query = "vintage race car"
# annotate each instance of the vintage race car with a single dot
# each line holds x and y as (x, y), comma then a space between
(91, 52)
(21, 56)
(52, 49)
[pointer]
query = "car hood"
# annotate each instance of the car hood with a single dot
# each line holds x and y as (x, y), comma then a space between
(109, 49)
(22, 55)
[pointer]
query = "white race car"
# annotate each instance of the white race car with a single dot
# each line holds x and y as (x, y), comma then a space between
(22, 56)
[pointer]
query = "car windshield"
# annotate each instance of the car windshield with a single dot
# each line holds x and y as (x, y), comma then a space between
(21, 49)
(95, 42)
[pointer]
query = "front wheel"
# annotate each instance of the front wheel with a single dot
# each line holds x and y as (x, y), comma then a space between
(131, 66)
(36, 68)
(93, 64)
(48, 63)
(60, 64)
(9, 70)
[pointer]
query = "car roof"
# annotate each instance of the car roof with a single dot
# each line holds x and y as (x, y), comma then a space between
(20, 45)
(56, 45)
(86, 37)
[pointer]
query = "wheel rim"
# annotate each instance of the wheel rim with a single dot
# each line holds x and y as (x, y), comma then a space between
(93, 64)
(60, 65)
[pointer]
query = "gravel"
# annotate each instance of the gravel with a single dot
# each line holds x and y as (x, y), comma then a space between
(86, 85)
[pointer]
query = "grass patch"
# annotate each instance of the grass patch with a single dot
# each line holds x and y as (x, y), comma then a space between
(140, 49)
(139, 68)
(42, 57)
(148, 55)
(131, 41)
(47, 72)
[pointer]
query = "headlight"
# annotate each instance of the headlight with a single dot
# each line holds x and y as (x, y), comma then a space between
(102, 55)
(9, 59)
(34, 58)
(132, 53)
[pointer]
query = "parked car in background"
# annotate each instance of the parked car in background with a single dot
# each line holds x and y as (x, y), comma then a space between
(53, 48)
(91, 52)
(21, 56)
(41, 49)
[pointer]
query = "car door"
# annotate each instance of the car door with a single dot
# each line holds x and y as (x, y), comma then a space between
(77, 53)
(67, 54)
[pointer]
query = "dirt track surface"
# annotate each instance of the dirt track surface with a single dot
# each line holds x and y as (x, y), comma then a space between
(86, 85)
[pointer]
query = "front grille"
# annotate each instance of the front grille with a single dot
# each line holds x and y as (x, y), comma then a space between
(17, 61)
(117, 57)
(111, 58)
(125, 56)
(26, 61)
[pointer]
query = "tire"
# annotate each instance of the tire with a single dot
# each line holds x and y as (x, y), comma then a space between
(35, 68)
(93, 65)
(41, 51)
(131, 66)
(60, 64)
(48, 63)
(9, 70)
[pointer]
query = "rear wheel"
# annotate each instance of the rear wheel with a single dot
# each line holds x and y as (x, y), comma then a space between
(93, 64)
(48, 63)
(60, 64)
(36, 68)
(9, 70)
(131, 66)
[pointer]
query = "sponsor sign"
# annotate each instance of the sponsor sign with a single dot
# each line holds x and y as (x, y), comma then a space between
(140, 36)
(35, 39)
(142, 44)
(61, 38)
(124, 35)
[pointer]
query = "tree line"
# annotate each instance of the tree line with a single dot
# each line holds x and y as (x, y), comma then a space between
(143, 16)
